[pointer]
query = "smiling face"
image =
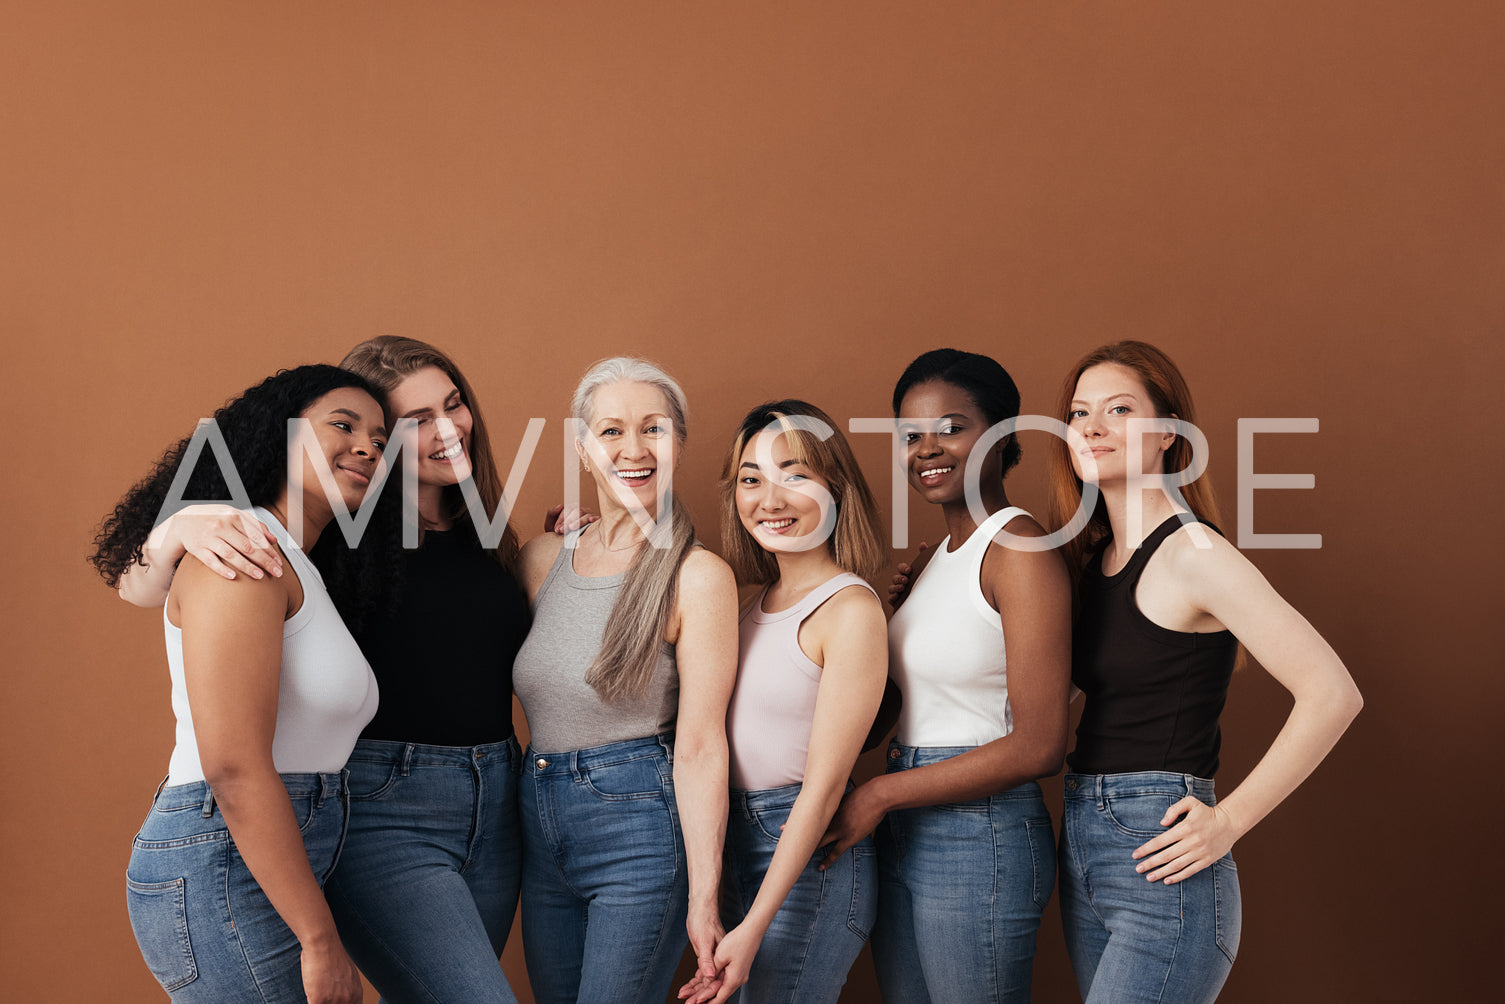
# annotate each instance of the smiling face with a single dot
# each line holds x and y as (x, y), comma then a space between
(350, 432)
(631, 431)
(1107, 396)
(778, 496)
(940, 424)
(431, 398)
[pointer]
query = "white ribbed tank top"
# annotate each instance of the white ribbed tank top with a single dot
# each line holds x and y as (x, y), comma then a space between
(325, 695)
(945, 649)
(773, 705)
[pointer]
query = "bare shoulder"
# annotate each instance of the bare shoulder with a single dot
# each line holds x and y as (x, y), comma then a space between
(197, 585)
(1196, 550)
(536, 558)
(701, 570)
(1022, 525)
(1005, 557)
(853, 605)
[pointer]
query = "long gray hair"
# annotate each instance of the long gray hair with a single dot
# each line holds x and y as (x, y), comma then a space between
(635, 630)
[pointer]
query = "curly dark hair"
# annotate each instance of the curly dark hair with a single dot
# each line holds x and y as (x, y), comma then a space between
(254, 427)
(986, 382)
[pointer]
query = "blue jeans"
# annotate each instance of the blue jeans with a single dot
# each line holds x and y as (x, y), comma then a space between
(823, 922)
(1130, 939)
(206, 930)
(605, 891)
(426, 887)
(963, 888)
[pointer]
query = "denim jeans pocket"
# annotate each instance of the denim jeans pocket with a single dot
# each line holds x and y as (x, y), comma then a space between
(1042, 852)
(625, 780)
(976, 805)
(769, 823)
(1228, 904)
(159, 918)
(371, 779)
(1139, 814)
(863, 912)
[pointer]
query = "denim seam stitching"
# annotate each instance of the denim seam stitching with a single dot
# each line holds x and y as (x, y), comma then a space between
(1176, 944)
(663, 925)
(392, 957)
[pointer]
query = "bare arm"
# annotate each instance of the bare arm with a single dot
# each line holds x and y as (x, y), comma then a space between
(222, 537)
(232, 654)
(536, 559)
(1222, 583)
(1032, 592)
(853, 642)
(705, 639)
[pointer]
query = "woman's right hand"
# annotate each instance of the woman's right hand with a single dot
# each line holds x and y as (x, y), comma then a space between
(898, 586)
(225, 539)
(329, 977)
(562, 521)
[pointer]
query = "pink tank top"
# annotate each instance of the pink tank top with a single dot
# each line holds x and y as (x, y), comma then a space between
(773, 705)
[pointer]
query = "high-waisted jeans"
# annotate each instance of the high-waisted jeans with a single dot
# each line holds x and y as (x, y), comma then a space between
(605, 890)
(206, 930)
(962, 889)
(822, 923)
(426, 887)
(1131, 939)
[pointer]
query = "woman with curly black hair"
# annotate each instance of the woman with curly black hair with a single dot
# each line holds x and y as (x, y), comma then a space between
(270, 692)
(427, 883)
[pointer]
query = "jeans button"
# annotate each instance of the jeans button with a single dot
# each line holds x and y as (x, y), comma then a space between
(894, 754)
(540, 763)
(1070, 785)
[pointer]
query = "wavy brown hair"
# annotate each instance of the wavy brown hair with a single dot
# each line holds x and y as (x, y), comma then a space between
(1170, 397)
(385, 362)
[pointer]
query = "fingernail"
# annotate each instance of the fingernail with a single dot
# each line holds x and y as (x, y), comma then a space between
(256, 573)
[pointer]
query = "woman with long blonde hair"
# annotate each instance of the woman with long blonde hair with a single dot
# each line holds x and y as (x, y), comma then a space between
(625, 678)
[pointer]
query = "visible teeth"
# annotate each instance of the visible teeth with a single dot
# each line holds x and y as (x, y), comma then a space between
(448, 454)
(776, 524)
(934, 472)
(634, 475)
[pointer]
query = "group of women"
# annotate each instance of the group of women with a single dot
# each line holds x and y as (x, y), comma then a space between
(688, 770)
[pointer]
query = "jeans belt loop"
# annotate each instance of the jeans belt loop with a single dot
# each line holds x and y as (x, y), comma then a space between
(407, 759)
(1097, 784)
(575, 771)
(208, 801)
(668, 744)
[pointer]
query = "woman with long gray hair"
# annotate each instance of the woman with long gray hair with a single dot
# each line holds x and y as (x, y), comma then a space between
(625, 678)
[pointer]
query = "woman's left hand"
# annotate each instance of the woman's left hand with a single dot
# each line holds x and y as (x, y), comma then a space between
(1204, 834)
(706, 934)
(859, 814)
(734, 957)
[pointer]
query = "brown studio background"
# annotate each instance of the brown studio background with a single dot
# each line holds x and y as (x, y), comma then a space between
(1301, 203)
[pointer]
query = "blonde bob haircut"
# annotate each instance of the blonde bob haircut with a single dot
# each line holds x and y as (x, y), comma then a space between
(856, 541)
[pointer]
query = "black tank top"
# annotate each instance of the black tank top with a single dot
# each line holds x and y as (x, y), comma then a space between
(443, 658)
(1153, 695)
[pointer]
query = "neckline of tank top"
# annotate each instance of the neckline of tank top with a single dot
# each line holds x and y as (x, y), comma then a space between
(1008, 512)
(1146, 549)
(761, 616)
(567, 556)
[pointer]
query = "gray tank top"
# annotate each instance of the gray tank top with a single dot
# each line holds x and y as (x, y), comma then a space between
(564, 712)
